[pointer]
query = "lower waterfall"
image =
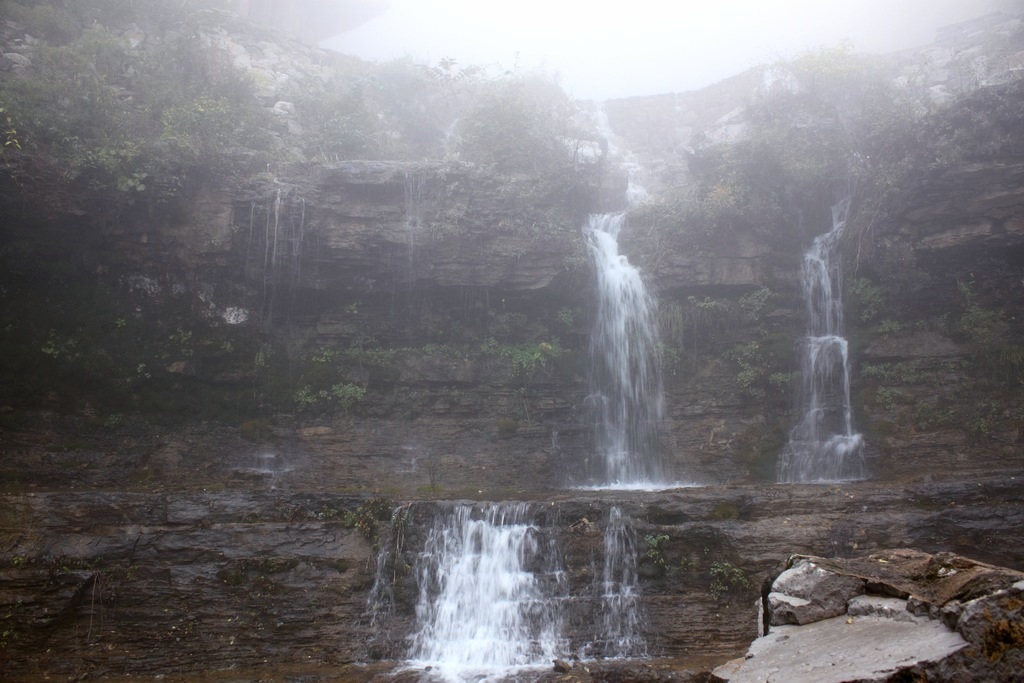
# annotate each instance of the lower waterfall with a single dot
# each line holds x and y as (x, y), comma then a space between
(491, 587)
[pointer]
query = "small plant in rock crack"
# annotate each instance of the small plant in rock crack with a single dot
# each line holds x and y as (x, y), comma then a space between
(655, 553)
(726, 577)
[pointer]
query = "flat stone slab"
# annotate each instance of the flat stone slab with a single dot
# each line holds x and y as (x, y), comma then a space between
(842, 649)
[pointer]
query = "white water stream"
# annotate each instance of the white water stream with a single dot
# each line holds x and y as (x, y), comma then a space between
(626, 392)
(823, 446)
(491, 592)
(621, 616)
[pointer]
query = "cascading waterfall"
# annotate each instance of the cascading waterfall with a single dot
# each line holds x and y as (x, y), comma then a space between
(823, 446)
(621, 619)
(635, 191)
(491, 589)
(626, 392)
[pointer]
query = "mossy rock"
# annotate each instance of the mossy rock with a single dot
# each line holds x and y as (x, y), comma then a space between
(758, 447)
(507, 428)
(255, 431)
(724, 511)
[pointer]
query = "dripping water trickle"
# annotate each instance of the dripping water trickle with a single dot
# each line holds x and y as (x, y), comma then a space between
(621, 620)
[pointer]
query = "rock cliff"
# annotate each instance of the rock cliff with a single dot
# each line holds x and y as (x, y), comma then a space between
(241, 328)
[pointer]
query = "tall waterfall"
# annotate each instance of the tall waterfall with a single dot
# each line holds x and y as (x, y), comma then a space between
(491, 588)
(626, 392)
(823, 446)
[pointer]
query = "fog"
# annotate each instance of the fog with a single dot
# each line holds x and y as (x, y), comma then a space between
(600, 49)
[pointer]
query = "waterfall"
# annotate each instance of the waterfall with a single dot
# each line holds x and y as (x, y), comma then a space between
(635, 191)
(626, 392)
(621, 619)
(491, 589)
(823, 446)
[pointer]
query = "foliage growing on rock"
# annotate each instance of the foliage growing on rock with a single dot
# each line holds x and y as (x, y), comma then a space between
(142, 119)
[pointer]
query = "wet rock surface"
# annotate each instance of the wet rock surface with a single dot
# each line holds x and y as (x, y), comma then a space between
(939, 617)
(177, 579)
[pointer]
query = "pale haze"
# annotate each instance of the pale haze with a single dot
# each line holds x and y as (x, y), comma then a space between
(602, 50)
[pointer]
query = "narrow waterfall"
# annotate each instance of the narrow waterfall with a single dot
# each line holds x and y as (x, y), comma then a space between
(491, 590)
(626, 392)
(823, 446)
(621, 619)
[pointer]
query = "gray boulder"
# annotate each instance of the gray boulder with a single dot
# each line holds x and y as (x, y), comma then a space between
(893, 616)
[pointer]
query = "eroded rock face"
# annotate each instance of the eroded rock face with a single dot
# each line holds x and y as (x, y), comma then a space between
(940, 617)
(970, 206)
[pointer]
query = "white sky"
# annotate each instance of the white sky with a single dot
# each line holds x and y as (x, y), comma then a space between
(602, 49)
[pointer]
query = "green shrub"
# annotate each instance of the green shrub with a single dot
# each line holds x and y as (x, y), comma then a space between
(507, 427)
(136, 122)
(726, 578)
(518, 124)
(655, 553)
(347, 395)
(724, 511)
(868, 299)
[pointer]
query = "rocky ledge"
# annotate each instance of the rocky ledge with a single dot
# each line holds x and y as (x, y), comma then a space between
(893, 616)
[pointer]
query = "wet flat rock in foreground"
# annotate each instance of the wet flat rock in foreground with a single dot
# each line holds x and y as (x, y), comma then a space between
(885, 617)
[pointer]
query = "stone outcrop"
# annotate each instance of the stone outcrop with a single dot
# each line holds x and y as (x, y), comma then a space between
(887, 617)
(806, 593)
(439, 225)
(974, 206)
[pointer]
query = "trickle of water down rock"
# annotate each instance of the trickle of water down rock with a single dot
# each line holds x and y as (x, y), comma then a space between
(823, 446)
(621, 617)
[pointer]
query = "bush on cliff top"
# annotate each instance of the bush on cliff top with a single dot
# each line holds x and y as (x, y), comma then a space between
(143, 119)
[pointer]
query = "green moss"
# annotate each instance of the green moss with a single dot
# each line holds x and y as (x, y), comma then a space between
(77, 443)
(340, 565)
(724, 511)
(256, 431)
(507, 427)
(758, 445)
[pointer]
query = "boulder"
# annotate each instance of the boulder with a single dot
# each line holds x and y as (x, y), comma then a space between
(806, 593)
(906, 615)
